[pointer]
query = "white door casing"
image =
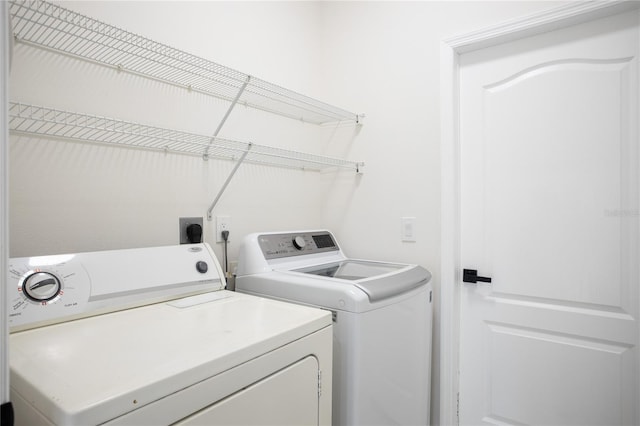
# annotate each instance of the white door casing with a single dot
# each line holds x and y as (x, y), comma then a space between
(539, 188)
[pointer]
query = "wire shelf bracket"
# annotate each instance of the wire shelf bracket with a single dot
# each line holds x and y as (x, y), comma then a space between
(226, 182)
(226, 115)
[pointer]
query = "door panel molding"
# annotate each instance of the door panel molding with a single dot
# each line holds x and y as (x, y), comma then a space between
(451, 269)
(601, 362)
(590, 65)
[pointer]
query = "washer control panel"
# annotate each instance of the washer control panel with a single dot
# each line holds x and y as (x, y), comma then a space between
(50, 289)
(275, 246)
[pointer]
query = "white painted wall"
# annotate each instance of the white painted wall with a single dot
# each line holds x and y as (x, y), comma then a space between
(75, 197)
(380, 58)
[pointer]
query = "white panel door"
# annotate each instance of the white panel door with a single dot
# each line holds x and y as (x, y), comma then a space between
(549, 165)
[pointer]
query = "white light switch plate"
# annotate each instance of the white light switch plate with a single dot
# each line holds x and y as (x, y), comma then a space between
(408, 229)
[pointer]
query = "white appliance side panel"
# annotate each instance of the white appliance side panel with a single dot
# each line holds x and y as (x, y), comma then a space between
(382, 364)
(96, 369)
(288, 397)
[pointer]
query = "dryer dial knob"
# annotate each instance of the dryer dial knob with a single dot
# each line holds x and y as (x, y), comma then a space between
(202, 267)
(299, 242)
(41, 286)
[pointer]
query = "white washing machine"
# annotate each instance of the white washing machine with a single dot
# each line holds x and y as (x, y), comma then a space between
(149, 337)
(382, 316)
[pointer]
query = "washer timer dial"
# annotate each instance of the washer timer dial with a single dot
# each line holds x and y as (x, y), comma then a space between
(299, 242)
(41, 286)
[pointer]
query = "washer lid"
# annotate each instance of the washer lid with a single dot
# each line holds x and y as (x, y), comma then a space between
(352, 269)
(377, 279)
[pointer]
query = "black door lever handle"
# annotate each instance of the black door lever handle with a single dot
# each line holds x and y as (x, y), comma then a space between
(471, 276)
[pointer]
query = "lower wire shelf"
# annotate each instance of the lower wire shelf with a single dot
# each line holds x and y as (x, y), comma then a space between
(48, 122)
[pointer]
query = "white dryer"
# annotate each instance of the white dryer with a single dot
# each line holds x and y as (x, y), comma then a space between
(149, 337)
(382, 316)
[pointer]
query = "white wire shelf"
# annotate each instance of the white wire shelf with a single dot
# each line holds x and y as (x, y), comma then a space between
(48, 122)
(53, 27)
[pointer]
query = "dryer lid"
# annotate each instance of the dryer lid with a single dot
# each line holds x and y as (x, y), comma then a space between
(96, 369)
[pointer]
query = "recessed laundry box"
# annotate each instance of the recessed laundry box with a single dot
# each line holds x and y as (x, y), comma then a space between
(382, 319)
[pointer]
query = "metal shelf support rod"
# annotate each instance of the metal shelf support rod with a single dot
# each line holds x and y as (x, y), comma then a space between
(226, 115)
(226, 182)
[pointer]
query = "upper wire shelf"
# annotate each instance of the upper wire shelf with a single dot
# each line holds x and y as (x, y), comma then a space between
(53, 27)
(42, 121)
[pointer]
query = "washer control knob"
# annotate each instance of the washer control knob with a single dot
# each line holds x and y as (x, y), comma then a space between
(299, 242)
(41, 286)
(202, 267)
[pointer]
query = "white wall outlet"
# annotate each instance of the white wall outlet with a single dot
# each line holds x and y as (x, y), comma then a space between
(223, 223)
(408, 229)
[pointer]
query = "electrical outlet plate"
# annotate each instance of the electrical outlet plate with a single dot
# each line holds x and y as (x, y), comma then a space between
(183, 223)
(223, 223)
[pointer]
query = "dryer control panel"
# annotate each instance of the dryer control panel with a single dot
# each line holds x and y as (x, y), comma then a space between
(49, 289)
(275, 246)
